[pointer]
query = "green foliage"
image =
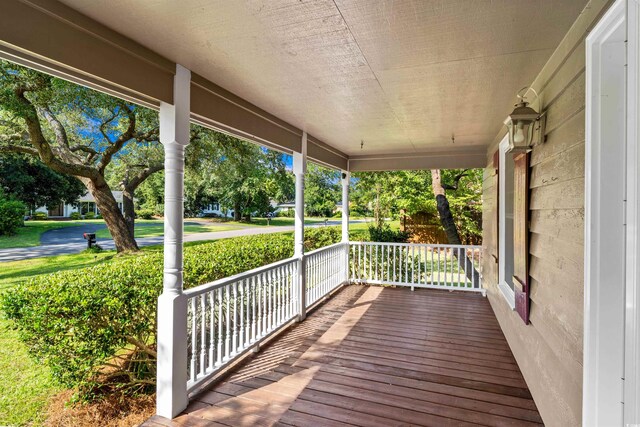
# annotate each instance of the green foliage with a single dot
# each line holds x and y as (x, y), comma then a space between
(322, 190)
(11, 215)
(144, 214)
(318, 237)
(387, 193)
(39, 216)
(27, 179)
(96, 327)
(75, 215)
(289, 213)
(384, 233)
(89, 215)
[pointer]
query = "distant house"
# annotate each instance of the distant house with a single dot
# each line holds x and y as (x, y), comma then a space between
(284, 207)
(84, 205)
(215, 209)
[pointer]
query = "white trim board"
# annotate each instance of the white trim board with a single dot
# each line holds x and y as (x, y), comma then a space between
(611, 224)
(504, 255)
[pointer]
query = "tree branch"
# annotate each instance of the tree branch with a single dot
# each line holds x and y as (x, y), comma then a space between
(108, 154)
(18, 149)
(58, 129)
(456, 181)
(42, 146)
(134, 182)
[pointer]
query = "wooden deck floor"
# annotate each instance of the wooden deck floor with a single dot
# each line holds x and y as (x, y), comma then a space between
(375, 356)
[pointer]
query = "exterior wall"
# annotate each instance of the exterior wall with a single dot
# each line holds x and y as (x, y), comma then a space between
(549, 350)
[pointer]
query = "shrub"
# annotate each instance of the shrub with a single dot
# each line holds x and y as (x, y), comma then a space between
(144, 213)
(384, 233)
(95, 327)
(39, 216)
(11, 216)
(289, 213)
(209, 215)
(89, 215)
(318, 237)
(75, 215)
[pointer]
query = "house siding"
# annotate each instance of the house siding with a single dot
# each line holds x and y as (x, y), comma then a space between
(549, 349)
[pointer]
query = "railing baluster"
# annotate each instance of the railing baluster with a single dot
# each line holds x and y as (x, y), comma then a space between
(194, 339)
(413, 263)
(227, 341)
(220, 342)
(212, 330)
(203, 332)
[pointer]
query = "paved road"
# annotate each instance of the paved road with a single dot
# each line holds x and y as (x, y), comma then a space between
(69, 240)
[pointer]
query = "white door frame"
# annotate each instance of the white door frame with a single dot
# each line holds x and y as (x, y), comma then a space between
(504, 256)
(612, 227)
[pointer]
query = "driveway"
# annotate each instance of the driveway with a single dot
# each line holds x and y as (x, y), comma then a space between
(69, 240)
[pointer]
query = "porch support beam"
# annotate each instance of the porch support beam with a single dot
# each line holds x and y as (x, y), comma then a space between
(346, 176)
(171, 396)
(299, 169)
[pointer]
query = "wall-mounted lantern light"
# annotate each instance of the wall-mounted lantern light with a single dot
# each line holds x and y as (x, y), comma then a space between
(525, 126)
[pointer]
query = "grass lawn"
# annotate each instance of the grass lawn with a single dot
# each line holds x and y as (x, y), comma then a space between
(156, 228)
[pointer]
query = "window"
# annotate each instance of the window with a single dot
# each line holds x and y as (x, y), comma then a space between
(505, 223)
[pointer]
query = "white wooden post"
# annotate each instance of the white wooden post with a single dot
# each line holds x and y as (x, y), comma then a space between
(346, 176)
(171, 387)
(299, 169)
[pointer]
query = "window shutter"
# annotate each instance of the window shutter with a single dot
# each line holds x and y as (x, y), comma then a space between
(521, 234)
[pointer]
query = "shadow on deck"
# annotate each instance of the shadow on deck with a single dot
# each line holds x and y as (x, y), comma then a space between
(374, 356)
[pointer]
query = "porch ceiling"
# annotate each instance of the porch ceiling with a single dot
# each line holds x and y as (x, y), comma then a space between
(402, 76)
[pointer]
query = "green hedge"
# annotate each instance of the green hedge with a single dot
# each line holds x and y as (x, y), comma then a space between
(39, 216)
(95, 327)
(11, 216)
(144, 213)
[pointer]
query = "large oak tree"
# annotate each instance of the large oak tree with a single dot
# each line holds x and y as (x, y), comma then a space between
(79, 132)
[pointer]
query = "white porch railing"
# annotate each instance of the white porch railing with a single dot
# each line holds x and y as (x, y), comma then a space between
(454, 267)
(231, 316)
(228, 317)
(326, 270)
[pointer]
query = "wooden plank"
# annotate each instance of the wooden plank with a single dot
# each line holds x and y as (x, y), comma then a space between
(349, 372)
(294, 418)
(390, 414)
(349, 416)
(564, 166)
(560, 224)
(568, 104)
(571, 133)
(564, 195)
(412, 404)
(447, 376)
(435, 348)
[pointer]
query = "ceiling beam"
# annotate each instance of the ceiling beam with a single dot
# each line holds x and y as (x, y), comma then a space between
(471, 157)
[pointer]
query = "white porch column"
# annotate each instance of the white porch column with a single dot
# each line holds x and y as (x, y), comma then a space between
(171, 394)
(346, 177)
(299, 169)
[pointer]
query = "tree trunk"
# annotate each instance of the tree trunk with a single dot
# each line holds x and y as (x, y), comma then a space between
(129, 210)
(237, 213)
(450, 228)
(116, 223)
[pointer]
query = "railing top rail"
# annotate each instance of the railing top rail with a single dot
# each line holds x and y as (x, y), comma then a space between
(324, 248)
(207, 287)
(430, 245)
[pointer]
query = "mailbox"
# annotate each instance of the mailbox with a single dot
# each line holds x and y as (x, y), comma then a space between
(90, 238)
